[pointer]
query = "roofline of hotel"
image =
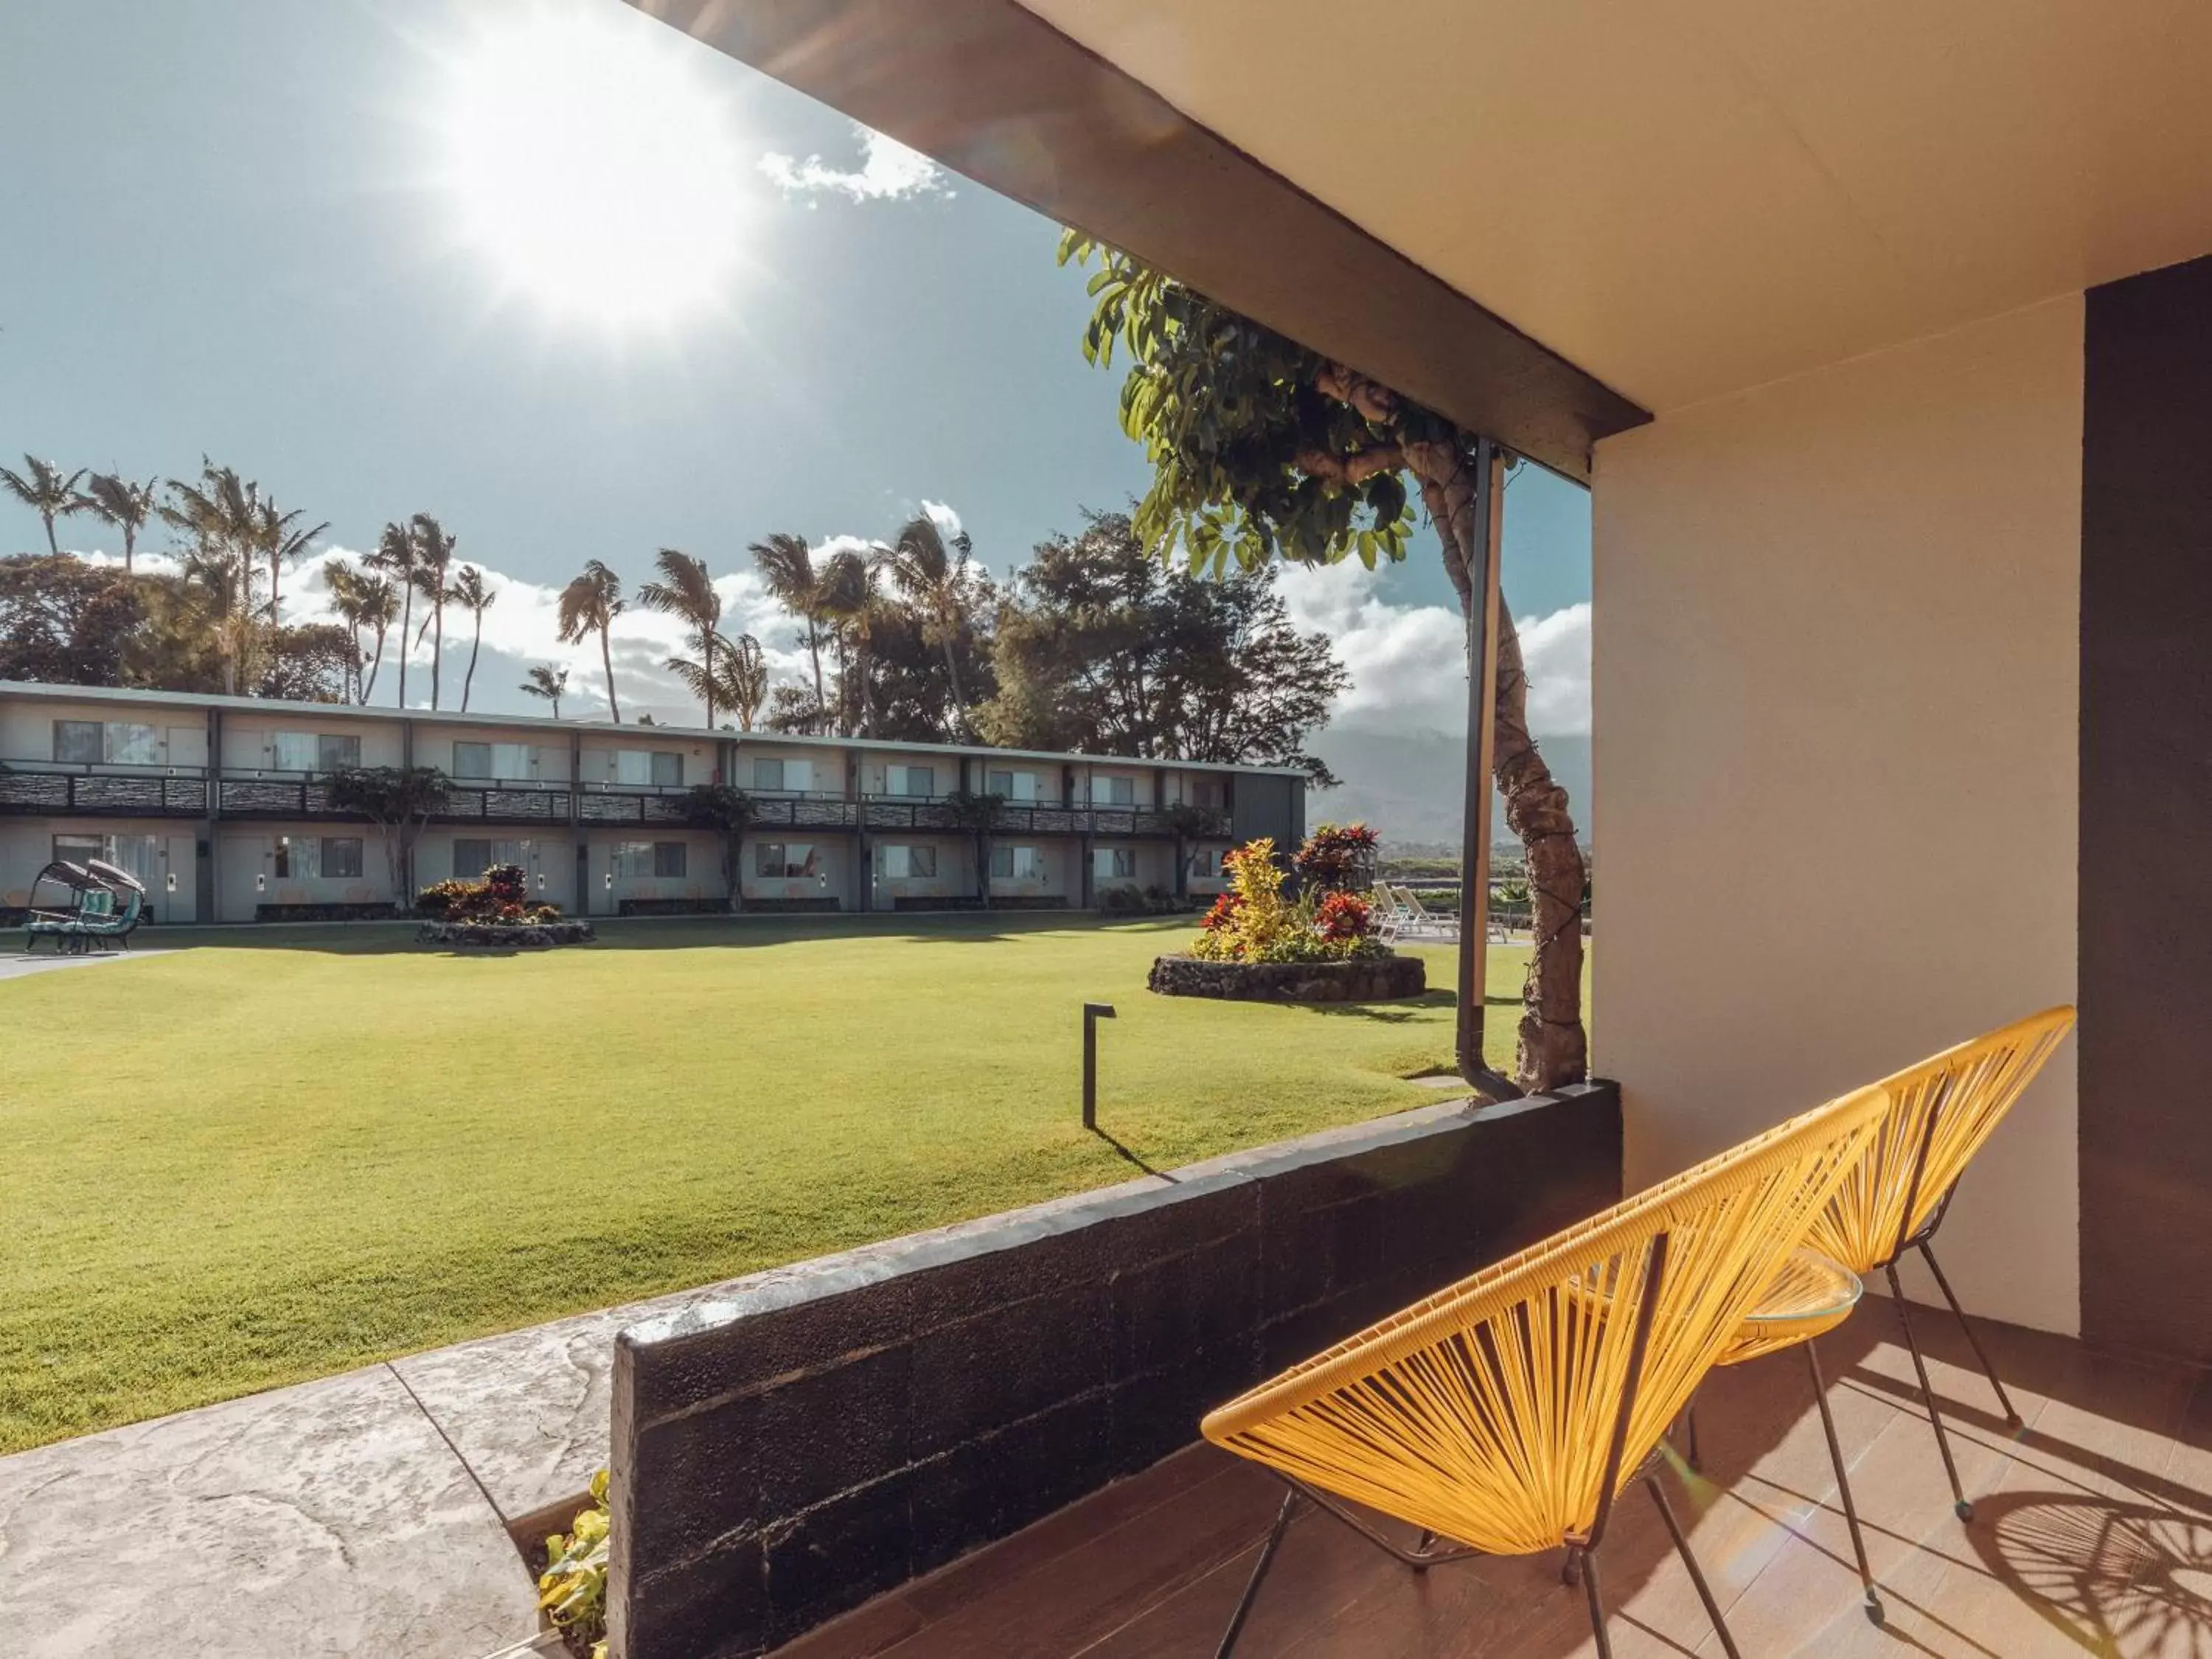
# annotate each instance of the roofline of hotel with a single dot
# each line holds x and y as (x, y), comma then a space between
(136, 696)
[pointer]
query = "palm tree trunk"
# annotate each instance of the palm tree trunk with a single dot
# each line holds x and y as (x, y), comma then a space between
(707, 652)
(607, 662)
(814, 650)
(1552, 1050)
(274, 583)
(129, 547)
(959, 705)
(470, 678)
(406, 614)
(52, 546)
(375, 666)
(437, 646)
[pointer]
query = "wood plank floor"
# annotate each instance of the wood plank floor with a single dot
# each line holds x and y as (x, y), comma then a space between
(2092, 1536)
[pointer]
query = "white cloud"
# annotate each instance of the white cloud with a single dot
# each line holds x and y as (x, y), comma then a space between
(1408, 662)
(889, 172)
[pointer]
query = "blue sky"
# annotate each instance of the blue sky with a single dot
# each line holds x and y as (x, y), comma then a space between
(235, 229)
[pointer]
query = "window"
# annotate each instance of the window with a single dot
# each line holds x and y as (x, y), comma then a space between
(783, 776)
(631, 860)
(341, 857)
(661, 768)
(1114, 863)
(314, 751)
(1113, 792)
(1205, 792)
(472, 857)
(1204, 861)
(298, 858)
(905, 863)
(1017, 863)
(117, 743)
(668, 860)
(1012, 786)
(77, 742)
(499, 761)
(910, 780)
(76, 849)
(785, 860)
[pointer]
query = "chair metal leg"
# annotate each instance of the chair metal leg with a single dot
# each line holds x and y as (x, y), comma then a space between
(1259, 1575)
(1965, 1510)
(1690, 1417)
(1928, 1254)
(1696, 1575)
(1874, 1607)
(1586, 1569)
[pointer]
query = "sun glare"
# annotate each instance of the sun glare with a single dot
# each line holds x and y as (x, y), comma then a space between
(591, 166)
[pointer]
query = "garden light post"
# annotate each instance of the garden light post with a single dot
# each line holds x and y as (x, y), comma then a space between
(1092, 1013)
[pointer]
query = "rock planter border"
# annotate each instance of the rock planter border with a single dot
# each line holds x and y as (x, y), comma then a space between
(1363, 979)
(492, 936)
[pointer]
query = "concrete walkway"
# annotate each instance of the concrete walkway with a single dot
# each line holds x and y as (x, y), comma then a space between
(20, 965)
(365, 1514)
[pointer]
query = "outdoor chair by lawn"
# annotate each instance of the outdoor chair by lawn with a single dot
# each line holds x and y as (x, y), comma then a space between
(106, 905)
(1941, 1111)
(1503, 1415)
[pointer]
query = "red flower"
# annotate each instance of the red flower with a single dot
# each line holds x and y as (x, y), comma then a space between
(1223, 913)
(1343, 916)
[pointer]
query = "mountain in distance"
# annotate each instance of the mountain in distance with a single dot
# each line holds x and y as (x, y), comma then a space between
(1407, 784)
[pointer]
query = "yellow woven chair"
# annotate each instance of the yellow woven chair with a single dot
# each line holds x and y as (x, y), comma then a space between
(1505, 1413)
(1943, 1110)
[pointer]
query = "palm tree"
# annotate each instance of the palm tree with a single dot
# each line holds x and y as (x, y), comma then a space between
(221, 518)
(395, 557)
(126, 506)
(348, 599)
(470, 592)
(935, 576)
(277, 537)
(786, 565)
(853, 604)
(591, 603)
(433, 556)
(42, 487)
(742, 679)
(550, 684)
(379, 607)
(684, 590)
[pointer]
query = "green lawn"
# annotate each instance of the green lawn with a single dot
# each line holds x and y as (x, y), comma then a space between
(245, 1162)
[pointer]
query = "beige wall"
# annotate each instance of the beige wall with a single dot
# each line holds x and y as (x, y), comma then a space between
(1836, 706)
(27, 845)
(249, 738)
(27, 728)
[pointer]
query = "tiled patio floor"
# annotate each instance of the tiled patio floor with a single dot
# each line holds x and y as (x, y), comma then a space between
(2093, 1534)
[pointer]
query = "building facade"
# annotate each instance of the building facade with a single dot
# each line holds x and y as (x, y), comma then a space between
(220, 807)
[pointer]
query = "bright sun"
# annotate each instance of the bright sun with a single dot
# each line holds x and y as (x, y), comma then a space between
(592, 166)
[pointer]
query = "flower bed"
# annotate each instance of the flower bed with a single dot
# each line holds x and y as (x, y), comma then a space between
(1361, 979)
(495, 914)
(504, 935)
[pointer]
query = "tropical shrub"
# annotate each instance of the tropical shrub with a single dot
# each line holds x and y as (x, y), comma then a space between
(1336, 855)
(1252, 921)
(573, 1589)
(503, 897)
(1122, 901)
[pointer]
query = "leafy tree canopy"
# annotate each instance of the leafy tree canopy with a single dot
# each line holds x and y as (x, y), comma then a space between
(1103, 649)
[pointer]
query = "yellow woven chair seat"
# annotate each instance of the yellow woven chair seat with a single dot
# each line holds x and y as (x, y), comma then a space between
(1811, 1295)
(1489, 1413)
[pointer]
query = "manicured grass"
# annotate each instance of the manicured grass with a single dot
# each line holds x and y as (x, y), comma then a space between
(246, 1163)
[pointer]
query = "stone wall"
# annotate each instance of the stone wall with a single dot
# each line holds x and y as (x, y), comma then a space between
(829, 1430)
(1365, 979)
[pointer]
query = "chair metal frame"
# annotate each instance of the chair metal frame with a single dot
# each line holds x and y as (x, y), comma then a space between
(1469, 1410)
(2019, 1051)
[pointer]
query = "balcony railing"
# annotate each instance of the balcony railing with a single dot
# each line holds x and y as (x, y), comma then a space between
(184, 792)
(52, 787)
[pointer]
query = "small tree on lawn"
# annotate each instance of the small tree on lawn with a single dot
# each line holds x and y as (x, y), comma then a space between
(978, 814)
(398, 800)
(1262, 449)
(727, 811)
